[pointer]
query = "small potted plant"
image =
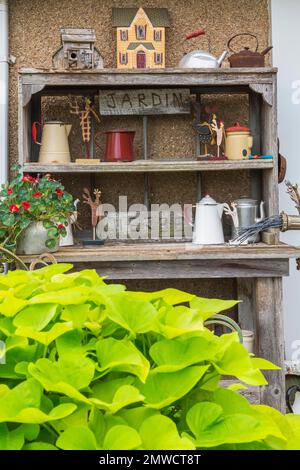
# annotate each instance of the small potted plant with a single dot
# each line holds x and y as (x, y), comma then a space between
(34, 213)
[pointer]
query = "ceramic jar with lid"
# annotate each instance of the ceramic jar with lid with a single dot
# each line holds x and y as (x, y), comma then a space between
(238, 142)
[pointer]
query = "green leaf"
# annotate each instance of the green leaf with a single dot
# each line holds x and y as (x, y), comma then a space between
(170, 296)
(64, 376)
(77, 438)
(70, 296)
(47, 224)
(121, 355)
(11, 440)
(165, 436)
(51, 243)
(211, 428)
(176, 321)
(11, 305)
(36, 317)
(161, 390)
(209, 307)
(44, 337)
(52, 232)
(8, 220)
(135, 417)
(114, 395)
(121, 437)
(136, 316)
(173, 355)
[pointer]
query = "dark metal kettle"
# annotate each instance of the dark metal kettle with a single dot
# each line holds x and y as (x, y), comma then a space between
(246, 57)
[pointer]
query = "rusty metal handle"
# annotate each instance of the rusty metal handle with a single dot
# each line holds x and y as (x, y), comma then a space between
(242, 34)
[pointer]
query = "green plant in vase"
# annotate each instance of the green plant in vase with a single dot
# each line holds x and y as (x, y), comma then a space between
(36, 208)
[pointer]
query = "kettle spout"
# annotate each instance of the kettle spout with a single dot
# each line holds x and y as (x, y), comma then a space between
(261, 212)
(220, 209)
(68, 128)
(221, 58)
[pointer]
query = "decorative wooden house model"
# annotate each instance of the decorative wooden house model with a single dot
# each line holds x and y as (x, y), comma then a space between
(140, 37)
(78, 50)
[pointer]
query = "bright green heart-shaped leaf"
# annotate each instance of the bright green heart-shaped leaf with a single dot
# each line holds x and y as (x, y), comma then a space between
(47, 272)
(11, 440)
(209, 307)
(161, 390)
(170, 296)
(176, 354)
(77, 314)
(176, 321)
(73, 295)
(211, 428)
(125, 395)
(34, 415)
(7, 327)
(31, 431)
(165, 436)
(36, 316)
(77, 438)
(236, 361)
(25, 395)
(136, 316)
(44, 337)
(64, 376)
(135, 417)
(121, 355)
(11, 305)
(121, 437)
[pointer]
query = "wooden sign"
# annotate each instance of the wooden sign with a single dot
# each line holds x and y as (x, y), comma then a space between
(145, 102)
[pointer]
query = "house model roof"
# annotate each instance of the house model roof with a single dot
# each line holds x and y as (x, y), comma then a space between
(123, 17)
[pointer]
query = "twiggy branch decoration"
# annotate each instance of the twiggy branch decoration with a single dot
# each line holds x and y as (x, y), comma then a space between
(94, 205)
(85, 117)
(292, 190)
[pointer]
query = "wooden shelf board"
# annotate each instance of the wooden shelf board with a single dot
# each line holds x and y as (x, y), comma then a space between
(144, 166)
(155, 251)
(154, 77)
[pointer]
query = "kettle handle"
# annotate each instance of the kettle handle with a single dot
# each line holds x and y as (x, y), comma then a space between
(34, 132)
(242, 34)
(290, 390)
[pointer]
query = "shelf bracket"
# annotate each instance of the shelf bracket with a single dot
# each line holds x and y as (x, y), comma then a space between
(266, 90)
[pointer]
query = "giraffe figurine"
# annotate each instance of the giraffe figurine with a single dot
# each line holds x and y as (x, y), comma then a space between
(85, 120)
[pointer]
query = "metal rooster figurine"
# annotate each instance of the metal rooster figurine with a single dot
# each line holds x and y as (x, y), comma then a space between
(94, 205)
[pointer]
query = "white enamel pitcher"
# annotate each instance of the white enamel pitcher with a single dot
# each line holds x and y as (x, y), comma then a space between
(208, 229)
(295, 407)
(54, 144)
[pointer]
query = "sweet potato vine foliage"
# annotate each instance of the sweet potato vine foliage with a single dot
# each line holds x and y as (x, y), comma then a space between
(90, 365)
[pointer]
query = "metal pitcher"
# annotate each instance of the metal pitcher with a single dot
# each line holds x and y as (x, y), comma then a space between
(244, 213)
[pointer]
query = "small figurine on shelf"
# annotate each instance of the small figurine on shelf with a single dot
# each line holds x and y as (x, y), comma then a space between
(205, 132)
(95, 209)
(218, 130)
(85, 116)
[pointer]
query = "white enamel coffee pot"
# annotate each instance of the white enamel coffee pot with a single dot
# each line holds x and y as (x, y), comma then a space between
(208, 229)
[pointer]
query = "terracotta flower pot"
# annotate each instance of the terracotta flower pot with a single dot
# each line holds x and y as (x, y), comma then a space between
(33, 240)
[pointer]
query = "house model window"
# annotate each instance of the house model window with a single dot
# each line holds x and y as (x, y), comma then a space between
(141, 31)
(157, 35)
(141, 35)
(124, 35)
(158, 57)
(123, 58)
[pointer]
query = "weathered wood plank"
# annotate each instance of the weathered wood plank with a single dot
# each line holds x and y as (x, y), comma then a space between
(185, 269)
(270, 338)
(246, 308)
(144, 101)
(154, 251)
(166, 77)
(151, 166)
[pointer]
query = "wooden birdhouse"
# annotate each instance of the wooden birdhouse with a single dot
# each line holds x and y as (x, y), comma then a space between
(78, 50)
(141, 37)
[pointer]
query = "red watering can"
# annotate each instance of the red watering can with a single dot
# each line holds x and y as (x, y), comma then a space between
(119, 145)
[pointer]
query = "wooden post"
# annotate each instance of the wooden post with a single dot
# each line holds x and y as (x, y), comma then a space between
(146, 176)
(255, 126)
(198, 147)
(270, 339)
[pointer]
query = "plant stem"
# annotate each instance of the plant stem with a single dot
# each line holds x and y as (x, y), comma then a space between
(50, 430)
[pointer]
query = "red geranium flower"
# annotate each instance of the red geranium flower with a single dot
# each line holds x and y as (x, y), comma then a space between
(10, 191)
(59, 192)
(26, 205)
(13, 208)
(60, 226)
(37, 194)
(28, 179)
